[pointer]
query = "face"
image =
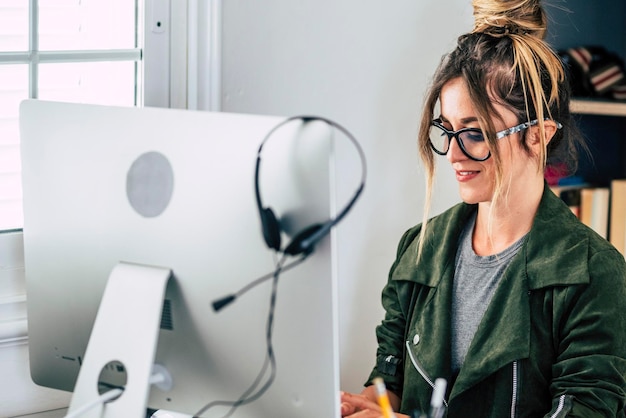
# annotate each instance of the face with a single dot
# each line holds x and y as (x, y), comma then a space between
(476, 179)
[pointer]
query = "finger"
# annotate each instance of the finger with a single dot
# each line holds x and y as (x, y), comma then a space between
(346, 406)
(366, 413)
(351, 397)
(347, 409)
(359, 402)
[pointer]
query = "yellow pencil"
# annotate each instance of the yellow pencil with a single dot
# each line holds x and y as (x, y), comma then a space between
(383, 398)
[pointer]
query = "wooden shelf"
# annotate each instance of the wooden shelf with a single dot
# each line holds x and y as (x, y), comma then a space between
(598, 107)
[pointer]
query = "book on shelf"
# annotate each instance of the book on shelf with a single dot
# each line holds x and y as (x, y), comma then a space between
(617, 223)
(589, 203)
(571, 196)
(594, 209)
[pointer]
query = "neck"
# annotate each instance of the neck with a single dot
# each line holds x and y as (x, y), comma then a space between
(499, 225)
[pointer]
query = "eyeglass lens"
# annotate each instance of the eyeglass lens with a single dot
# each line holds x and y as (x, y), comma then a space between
(471, 141)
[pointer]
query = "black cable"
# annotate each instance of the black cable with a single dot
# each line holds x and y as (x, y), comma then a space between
(270, 359)
(226, 300)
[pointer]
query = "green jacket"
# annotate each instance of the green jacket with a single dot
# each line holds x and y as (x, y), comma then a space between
(552, 342)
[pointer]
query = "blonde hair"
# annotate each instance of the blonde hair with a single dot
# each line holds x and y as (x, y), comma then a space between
(505, 59)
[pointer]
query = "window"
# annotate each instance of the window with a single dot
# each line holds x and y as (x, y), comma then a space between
(115, 52)
(86, 51)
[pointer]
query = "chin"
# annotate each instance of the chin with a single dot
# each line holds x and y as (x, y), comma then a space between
(472, 197)
(470, 201)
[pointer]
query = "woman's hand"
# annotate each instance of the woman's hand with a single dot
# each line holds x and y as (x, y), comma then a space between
(361, 406)
(352, 403)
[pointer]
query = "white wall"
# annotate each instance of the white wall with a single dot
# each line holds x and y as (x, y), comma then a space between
(366, 65)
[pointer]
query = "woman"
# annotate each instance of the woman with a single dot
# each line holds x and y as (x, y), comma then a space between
(506, 296)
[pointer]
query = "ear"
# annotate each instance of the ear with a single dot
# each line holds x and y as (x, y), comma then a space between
(549, 127)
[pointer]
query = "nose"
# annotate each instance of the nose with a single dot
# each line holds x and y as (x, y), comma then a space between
(455, 153)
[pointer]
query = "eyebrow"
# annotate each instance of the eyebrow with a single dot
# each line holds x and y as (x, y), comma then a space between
(464, 121)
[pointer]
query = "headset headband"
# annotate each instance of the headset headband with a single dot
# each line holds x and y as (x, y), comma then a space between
(304, 241)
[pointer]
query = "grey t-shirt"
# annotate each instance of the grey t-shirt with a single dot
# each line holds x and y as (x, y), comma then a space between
(475, 281)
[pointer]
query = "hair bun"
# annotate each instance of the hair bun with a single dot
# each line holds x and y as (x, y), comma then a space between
(509, 17)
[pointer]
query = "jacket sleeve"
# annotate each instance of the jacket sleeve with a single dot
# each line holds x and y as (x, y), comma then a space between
(390, 334)
(590, 328)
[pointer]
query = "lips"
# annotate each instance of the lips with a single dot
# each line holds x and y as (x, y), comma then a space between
(465, 175)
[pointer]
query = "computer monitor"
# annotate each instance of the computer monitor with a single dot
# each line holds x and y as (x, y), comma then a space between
(86, 215)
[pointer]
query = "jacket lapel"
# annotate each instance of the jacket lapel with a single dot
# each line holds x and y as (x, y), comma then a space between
(503, 335)
(428, 334)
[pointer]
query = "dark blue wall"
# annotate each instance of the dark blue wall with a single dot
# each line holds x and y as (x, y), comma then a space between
(587, 22)
(576, 23)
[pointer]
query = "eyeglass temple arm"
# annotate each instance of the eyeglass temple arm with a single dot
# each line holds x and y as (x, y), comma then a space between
(521, 127)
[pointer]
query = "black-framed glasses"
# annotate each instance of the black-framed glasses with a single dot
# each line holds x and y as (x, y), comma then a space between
(471, 140)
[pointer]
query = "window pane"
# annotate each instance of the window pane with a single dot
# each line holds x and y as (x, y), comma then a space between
(13, 89)
(107, 83)
(13, 25)
(86, 24)
(63, 25)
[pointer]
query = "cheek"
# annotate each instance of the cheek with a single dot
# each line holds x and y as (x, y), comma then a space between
(517, 166)
(490, 171)
(512, 158)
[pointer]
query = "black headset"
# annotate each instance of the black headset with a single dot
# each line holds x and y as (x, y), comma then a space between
(304, 241)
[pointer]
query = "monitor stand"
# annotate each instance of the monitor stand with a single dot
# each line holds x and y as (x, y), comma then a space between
(123, 341)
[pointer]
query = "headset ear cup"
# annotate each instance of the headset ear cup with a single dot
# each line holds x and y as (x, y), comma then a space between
(297, 244)
(271, 229)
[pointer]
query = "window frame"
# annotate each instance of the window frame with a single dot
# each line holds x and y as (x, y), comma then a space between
(33, 58)
(157, 69)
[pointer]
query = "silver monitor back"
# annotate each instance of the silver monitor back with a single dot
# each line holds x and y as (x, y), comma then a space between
(79, 223)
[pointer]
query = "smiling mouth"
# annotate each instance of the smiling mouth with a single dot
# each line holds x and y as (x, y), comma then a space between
(466, 175)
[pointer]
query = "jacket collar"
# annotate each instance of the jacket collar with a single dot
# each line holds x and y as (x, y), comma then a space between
(554, 241)
(557, 246)
(439, 250)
